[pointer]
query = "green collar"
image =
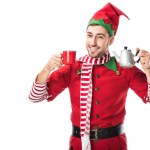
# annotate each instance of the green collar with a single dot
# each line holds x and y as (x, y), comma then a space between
(111, 64)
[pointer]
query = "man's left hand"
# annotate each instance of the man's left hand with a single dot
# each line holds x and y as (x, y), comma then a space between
(144, 59)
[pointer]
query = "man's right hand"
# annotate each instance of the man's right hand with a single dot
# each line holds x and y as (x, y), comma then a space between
(54, 62)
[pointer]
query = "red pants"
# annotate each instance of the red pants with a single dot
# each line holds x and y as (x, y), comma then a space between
(115, 143)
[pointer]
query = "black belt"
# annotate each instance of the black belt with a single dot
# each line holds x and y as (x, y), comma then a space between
(101, 133)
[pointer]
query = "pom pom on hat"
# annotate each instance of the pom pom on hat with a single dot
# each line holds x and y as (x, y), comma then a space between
(108, 17)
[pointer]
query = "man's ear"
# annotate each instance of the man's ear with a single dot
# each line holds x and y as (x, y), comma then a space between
(111, 40)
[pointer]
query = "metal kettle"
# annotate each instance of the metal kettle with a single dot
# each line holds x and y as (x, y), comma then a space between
(126, 58)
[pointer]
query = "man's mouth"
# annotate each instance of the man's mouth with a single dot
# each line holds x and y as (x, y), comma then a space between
(94, 49)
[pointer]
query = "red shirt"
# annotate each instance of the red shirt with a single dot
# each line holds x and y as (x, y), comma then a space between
(109, 91)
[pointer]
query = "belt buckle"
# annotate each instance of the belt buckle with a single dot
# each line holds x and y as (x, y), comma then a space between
(96, 134)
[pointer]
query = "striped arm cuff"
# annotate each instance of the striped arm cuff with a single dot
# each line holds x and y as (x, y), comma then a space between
(147, 98)
(38, 92)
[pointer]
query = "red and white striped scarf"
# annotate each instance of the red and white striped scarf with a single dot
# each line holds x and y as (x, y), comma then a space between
(86, 95)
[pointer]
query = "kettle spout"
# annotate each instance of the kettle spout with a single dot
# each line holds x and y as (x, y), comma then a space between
(116, 56)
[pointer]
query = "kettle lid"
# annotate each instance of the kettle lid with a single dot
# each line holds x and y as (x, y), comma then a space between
(125, 48)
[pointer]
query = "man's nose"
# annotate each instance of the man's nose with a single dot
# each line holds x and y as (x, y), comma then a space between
(93, 41)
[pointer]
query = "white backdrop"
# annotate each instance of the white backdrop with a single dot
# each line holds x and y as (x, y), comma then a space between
(30, 32)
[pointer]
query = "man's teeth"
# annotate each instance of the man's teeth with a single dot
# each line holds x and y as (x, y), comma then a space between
(93, 49)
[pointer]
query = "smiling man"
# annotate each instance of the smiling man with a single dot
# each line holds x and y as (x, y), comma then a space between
(98, 86)
(97, 41)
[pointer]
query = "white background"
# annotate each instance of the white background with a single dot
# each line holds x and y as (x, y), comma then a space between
(30, 32)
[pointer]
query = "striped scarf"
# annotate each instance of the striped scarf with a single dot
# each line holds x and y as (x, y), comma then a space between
(86, 95)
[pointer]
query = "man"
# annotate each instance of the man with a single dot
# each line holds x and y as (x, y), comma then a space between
(98, 86)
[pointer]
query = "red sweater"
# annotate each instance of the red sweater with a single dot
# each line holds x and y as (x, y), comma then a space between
(109, 91)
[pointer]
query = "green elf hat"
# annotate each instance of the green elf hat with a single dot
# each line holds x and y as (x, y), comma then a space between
(107, 17)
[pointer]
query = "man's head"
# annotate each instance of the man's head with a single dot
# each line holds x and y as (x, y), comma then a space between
(97, 40)
(101, 29)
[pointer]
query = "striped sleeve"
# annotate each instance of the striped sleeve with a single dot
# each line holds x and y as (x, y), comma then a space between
(147, 98)
(38, 92)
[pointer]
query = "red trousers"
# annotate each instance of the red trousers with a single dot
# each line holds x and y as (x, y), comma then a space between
(115, 143)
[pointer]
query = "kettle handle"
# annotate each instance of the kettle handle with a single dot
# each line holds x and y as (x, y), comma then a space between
(136, 55)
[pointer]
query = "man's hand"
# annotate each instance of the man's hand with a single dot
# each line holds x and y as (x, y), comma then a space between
(145, 62)
(144, 59)
(54, 62)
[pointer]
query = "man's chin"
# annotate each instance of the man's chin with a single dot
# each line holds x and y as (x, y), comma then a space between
(95, 56)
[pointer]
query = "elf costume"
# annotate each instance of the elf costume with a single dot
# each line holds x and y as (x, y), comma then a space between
(98, 89)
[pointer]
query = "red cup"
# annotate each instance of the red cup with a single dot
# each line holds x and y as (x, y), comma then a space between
(68, 57)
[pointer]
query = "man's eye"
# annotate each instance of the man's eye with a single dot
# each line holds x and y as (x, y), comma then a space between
(100, 37)
(89, 35)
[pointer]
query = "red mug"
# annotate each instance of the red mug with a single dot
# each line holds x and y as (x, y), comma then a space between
(68, 57)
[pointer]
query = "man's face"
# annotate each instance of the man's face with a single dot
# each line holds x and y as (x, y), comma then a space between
(97, 41)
